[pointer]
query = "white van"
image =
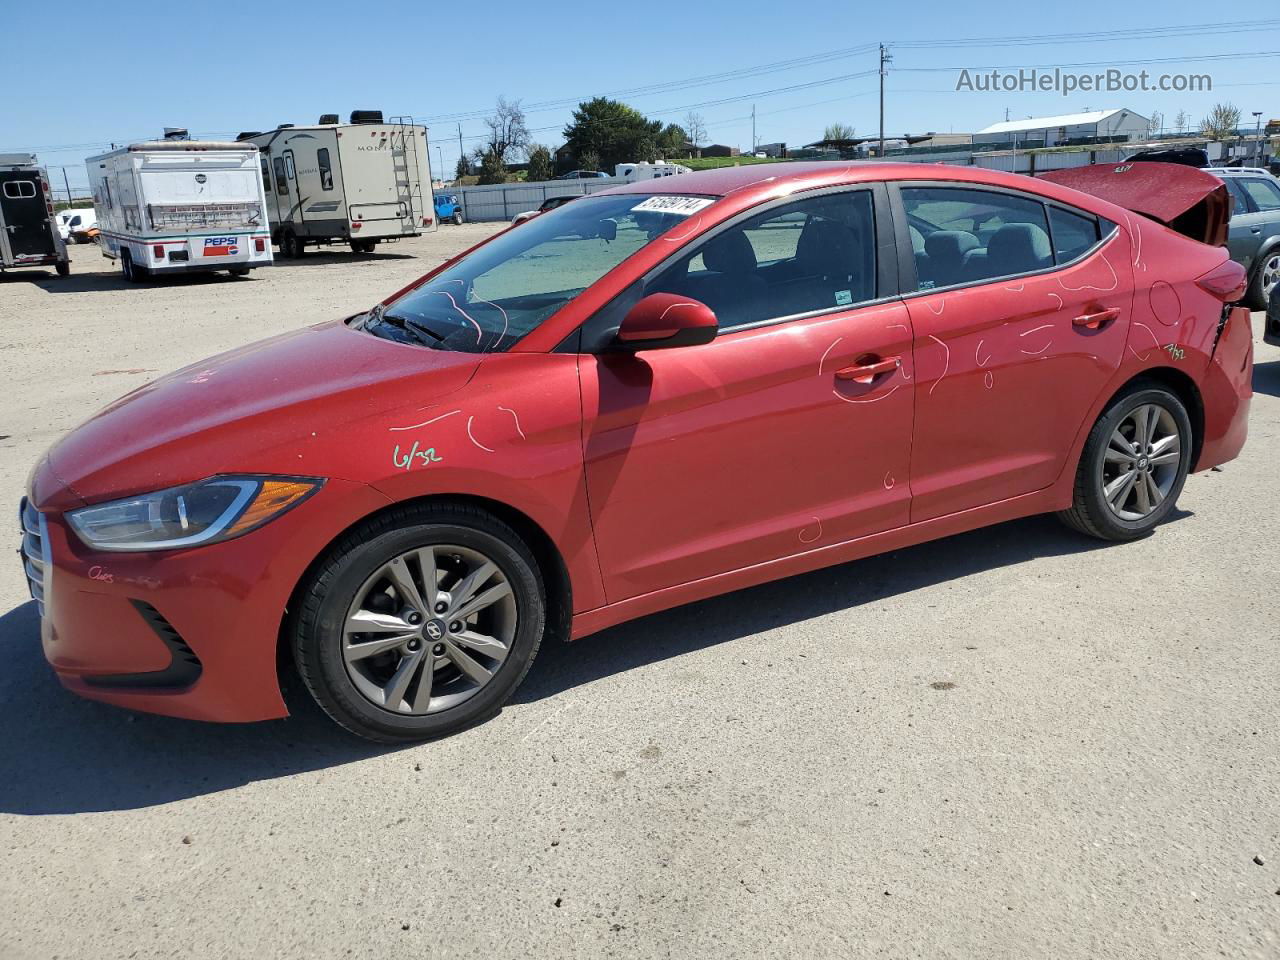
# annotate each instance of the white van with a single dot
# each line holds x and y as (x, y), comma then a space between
(359, 183)
(649, 171)
(74, 224)
(179, 206)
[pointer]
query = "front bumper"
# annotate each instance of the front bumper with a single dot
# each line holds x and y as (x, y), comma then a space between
(187, 633)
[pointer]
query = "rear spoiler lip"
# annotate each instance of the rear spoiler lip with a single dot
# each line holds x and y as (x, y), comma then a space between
(1186, 199)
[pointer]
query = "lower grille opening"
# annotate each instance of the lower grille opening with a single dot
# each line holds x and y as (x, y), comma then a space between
(184, 667)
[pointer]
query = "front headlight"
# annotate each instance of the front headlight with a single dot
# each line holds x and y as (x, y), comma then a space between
(207, 511)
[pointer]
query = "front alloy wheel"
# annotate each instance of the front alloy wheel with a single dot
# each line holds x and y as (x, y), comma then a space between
(419, 622)
(429, 629)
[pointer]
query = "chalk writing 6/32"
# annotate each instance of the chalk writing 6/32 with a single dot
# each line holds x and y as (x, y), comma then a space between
(404, 461)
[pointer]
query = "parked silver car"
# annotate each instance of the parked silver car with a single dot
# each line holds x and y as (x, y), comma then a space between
(1254, 238)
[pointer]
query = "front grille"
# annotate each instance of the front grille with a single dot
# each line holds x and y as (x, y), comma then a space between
(35, 552)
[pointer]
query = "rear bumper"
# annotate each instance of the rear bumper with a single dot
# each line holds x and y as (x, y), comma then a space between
(1227, 390)
(186, 633)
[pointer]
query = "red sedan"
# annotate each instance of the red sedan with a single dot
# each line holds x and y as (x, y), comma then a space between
(652, 395)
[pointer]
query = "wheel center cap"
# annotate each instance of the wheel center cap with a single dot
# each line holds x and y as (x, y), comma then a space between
(1142, 463)
(434, 629)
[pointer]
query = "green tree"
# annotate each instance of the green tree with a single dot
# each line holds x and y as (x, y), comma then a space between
(589, 161)
(671, 143)
(539, 163)
(492, 169)
(1222, 122)
(463, 169)
(613, 131)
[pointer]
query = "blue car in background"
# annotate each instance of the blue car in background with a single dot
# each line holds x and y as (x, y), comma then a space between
(448, 208)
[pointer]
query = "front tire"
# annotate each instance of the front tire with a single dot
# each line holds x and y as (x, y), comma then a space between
(1133, 466)
(419, 622)
(457, 218)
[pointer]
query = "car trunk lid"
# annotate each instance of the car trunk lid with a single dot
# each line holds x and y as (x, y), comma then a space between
(1190, 201)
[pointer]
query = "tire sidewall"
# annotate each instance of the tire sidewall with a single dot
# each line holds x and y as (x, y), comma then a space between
(1131, 529)
(319, 642)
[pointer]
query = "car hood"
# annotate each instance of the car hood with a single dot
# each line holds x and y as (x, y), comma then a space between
(1190, 201)
(270, 407)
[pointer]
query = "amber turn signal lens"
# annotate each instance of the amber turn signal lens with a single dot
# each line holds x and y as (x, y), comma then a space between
(275, 497)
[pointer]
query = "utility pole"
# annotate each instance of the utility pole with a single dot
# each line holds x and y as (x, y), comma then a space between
(885, 60)
(461, 154)
(753, 128)
(67, 184)
(1257, 137)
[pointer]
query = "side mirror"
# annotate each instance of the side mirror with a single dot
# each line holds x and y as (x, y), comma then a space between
(663, 320)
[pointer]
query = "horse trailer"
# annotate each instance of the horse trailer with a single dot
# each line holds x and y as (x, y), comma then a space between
(28, 229)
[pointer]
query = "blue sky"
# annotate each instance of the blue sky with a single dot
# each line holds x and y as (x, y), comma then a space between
(221, 69)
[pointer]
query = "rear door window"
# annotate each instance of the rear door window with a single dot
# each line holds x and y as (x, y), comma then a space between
(1073, 234)
(1264, 193)
(19, 189)
(1242, 204)
(973, 235)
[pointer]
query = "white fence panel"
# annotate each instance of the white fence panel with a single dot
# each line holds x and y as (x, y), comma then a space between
(502, 201)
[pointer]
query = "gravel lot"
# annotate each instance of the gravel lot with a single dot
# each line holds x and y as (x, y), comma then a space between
(1012, 743)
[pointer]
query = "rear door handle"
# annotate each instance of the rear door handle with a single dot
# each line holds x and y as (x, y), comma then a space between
(867, 372)
(1096, 321)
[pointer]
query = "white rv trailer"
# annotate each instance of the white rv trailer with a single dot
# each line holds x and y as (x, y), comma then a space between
(181, 206)
(359, 183)
(28, 230)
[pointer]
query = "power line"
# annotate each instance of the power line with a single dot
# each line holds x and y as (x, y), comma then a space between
(1105, 36)
(1211, 57)
(707, 79)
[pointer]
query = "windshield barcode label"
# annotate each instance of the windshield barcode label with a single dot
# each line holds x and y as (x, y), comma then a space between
(680, 206)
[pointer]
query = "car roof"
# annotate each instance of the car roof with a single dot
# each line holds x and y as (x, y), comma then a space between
(790, 176)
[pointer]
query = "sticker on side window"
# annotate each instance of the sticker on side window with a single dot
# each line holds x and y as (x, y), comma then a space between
(680, 206)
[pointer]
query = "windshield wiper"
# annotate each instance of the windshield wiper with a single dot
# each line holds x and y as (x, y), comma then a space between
(418, 331)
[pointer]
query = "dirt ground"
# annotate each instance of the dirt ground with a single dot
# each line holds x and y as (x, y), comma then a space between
(1014, 743)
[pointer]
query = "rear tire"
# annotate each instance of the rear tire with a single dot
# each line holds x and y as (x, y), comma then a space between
(238, 271)
(362, 246)
(1129, 478)
(363, 577)
(130, 270)
(63, 268)
(291, 246)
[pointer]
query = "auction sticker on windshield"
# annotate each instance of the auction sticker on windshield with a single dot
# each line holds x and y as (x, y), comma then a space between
(681, 206)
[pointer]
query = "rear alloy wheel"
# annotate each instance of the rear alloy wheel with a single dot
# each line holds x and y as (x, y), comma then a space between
(420, 624)
(1265, 278)
(1134, 464)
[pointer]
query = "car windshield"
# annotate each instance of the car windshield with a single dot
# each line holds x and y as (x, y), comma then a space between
(502, 291)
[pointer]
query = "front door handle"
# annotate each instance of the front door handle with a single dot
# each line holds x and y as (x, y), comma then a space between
(868, 371)
(1098, 320)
